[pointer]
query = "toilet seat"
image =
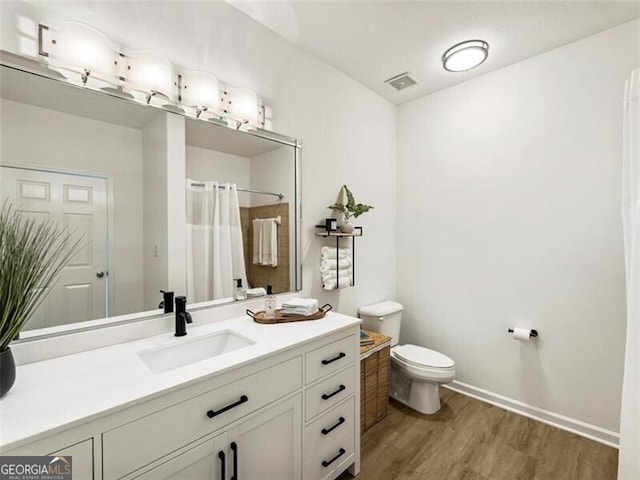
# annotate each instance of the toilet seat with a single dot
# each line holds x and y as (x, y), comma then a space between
(423, 364)
(422, 357)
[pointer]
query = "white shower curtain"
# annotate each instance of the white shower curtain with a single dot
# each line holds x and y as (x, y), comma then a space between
(629, 458)
(215, 252)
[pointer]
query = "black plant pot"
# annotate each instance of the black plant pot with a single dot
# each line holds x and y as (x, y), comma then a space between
(7, 371)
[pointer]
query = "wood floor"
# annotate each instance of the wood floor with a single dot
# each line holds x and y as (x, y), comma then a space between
(472, 440)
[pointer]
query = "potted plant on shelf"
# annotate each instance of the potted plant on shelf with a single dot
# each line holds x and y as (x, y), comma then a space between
(32, 254)
(349, 209)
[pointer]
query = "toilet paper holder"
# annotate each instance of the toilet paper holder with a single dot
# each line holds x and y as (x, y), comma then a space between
(533, 334)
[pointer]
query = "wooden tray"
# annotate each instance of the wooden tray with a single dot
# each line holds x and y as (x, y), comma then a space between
(280, 318)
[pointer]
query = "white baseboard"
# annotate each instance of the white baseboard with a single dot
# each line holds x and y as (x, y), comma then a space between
(572, 425)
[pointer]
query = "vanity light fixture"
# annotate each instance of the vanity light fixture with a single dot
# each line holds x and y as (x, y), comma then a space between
(151, 74)
(243, 105)
(81, 49)
(465, 55)
(201, 91)
(144, 75)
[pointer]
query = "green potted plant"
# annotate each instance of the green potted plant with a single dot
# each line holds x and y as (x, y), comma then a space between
(349, 209)
(32, 254)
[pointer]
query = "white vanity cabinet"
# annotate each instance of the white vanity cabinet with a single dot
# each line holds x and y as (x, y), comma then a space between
(331, 440)
(138, 443)
(290, 414)
(246, 450)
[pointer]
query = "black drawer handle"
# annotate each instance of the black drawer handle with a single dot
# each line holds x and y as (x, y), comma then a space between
(213, 413)
(234, 449)
(223, 474)
(325, 431)
(326, 463)
(327, 396)
(331, 360)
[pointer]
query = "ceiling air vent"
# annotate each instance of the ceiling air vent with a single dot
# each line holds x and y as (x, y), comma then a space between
(401, 81)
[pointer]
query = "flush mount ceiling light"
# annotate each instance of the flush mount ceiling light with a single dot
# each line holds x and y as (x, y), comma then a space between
(465, 55)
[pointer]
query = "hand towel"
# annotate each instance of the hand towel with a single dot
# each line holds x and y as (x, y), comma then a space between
(257, 241)
(269, 242)
(331, 274)
(326, 265)
(300, 306)
(332, 252)
(256, 292)
(333, 285)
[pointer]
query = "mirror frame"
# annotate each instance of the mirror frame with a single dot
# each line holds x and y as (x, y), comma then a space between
(32, 67)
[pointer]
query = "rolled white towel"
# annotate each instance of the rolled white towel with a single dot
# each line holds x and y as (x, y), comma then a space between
(331, 274)
(256, 292)
(326, 265)
(333, 285)
(332, 252)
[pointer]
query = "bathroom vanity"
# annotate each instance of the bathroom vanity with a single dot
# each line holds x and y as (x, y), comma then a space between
(232, 399)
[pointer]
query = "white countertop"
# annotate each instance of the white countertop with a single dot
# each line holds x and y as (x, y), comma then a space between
(56, 394)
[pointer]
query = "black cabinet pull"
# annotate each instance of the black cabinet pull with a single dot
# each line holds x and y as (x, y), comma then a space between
(325, 431)
(331, 360)
(326, 463)
(327, 396)
(213, 413)
(223, 474)
(234, 449)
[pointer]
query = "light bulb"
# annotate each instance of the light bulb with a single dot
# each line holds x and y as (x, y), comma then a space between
(200, 89)
(151, 73)
(243, 104)
(82, 49)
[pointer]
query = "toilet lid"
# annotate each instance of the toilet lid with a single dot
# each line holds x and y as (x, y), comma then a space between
(418, 356)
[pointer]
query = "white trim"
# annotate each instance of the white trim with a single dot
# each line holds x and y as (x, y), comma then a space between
(592, 432)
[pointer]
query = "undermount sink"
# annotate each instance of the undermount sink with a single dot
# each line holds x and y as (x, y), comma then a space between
(187, 351)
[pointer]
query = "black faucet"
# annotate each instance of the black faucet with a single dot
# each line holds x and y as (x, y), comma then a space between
(167, 302)
(182, 316)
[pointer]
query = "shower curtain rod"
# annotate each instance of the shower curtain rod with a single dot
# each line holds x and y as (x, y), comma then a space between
(240, 189)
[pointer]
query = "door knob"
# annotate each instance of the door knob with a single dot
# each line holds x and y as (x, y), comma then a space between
(100, 274)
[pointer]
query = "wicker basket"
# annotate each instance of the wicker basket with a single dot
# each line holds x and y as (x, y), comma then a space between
(374, 381)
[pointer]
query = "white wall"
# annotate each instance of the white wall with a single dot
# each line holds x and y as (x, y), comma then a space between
(509, 215)
(164, 208)
(348, 136)
(206, 165)
(43, 138)
(273, 171)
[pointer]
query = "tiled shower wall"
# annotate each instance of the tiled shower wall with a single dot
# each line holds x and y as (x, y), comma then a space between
(258, 275)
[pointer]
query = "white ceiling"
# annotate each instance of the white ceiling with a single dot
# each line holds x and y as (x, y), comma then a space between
(368, 40)
(373, 40)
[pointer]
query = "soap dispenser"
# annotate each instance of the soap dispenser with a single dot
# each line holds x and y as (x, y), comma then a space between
(239, 293)
(270, 304)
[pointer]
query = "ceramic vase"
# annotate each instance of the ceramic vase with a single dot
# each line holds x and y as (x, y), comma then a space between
(347, 226)
(7, 371)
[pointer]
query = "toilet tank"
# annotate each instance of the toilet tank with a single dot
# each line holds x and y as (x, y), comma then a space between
(383, 317)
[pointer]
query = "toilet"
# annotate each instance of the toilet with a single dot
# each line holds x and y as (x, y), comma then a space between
(416, 372)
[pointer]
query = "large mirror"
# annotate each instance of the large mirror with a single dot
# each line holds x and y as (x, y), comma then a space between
(164, 201)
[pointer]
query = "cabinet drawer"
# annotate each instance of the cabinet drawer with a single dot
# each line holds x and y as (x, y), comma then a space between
(138, 443)
(329, 358)
(81, 459)
(332, 457)
(329, 427)
(329, 392)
